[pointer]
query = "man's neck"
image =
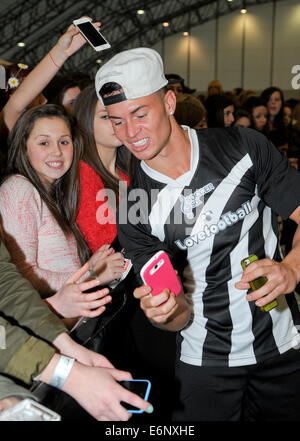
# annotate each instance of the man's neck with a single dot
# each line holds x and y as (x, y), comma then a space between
(174, 160)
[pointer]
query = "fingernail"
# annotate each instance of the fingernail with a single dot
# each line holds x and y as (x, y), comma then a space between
(150, 409)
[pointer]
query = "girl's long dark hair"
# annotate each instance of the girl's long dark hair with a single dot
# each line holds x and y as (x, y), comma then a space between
(266, 95)
(84, 112)
(215, 105)
(61, 200)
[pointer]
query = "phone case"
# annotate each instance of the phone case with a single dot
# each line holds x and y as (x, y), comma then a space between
(159, 274)
(258, 283)
(139, 387)
(29, 410)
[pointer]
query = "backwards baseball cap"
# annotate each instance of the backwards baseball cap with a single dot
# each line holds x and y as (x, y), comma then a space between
(139, 72)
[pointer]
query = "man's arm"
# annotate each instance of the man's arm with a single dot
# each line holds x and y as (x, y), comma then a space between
(282, 276)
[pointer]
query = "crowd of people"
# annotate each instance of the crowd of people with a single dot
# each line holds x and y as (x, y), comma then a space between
(72, 148)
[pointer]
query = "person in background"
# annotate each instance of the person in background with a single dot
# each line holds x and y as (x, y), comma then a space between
(103, 166)
(190, 112)
(220, 111)
(242, 118)
(176, 83)
(245, 95)
(287, 115)
(64, 89)
(257, 108)
(215, 88)
(278, 133)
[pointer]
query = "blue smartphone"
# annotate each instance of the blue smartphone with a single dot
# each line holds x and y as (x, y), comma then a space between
(139, 387)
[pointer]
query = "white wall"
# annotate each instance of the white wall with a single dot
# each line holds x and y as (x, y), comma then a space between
(236, 61)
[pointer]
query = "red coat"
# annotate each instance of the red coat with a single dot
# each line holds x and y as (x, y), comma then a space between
(93, 214)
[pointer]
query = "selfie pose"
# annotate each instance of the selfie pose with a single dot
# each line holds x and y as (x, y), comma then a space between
(217, 194)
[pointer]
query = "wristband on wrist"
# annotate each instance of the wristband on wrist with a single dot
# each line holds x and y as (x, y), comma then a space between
(61, 371)
(53, 60)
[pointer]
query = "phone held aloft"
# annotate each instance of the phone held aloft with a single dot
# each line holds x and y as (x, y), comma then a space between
(258, 283)
(159, 274)
(91, 34)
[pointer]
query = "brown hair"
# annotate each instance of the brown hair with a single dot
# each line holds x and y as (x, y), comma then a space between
(84, 112)
(62, 197)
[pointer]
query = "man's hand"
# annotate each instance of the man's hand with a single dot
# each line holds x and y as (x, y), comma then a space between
(158, 308)
(281, 279)
(164, 310)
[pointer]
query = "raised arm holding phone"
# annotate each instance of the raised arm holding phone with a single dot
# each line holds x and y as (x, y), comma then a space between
(69, 43)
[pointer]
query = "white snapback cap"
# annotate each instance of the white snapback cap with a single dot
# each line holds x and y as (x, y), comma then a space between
(139, 72)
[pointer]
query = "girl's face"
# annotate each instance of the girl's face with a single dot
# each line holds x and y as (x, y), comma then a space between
(103, 129)
(69, 97)
(287, 115)
(50, 149)
(243, 121)
(274, 103)
(228, 116)
(260, 117)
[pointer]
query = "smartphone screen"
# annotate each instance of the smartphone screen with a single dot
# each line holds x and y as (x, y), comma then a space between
(92, 34)
(139, 387)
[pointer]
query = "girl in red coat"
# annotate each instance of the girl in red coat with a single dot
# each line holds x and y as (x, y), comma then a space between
(103, 167)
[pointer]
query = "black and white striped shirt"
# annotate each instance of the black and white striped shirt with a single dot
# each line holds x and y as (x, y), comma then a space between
(210, 218)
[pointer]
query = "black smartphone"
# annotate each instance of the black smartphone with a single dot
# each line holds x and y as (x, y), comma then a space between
(91, 34)
(139, 387)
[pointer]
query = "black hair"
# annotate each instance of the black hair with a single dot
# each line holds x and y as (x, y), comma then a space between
(215, 105)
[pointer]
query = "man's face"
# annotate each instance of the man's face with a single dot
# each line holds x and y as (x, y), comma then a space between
(143, 124)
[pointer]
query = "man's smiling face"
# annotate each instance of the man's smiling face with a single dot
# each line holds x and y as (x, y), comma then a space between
(143, 124)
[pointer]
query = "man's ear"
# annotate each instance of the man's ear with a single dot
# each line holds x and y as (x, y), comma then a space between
(170, 102)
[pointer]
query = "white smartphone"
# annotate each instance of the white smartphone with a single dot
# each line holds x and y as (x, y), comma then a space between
(29, 410)
(91, 34)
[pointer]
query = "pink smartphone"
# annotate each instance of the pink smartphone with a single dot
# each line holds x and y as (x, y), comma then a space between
(158, 273)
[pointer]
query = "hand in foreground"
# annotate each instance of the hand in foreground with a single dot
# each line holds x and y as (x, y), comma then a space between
(281, 280)
(67, 346)
(97, 390)
(71, 301)
(158, 308)
(107, 264)
(8, 402)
